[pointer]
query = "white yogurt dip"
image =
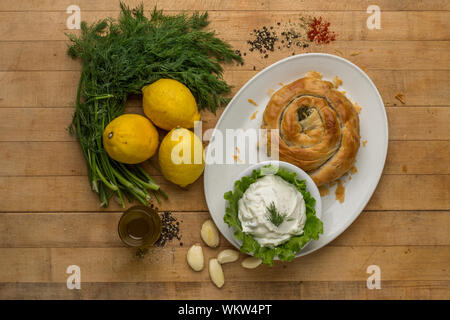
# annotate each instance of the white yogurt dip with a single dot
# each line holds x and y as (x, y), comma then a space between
(254, 216)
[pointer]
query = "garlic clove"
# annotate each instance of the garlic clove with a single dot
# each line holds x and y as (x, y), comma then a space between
(216, 273)
(210, 234)
(195, 257)
(251, 262)
(227, 256)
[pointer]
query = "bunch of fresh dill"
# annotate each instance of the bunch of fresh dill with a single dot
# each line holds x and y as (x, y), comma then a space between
(118, 59)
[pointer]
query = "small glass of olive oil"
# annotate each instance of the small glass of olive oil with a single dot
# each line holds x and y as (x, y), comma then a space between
(140, 227)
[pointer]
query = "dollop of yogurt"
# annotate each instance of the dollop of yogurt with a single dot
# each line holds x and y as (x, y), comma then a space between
(254, 216)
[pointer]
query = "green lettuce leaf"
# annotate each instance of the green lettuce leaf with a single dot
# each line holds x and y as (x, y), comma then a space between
(286, 251)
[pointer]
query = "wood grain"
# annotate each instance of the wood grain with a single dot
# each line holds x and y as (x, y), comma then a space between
(59, 193)
(66, 159)
(68, 229)
(50, 219)
(236, 25)
(264, 290)
(390, 55)
(222, 5)
(47, 194)
(50, 124)
(58, 88)
(169, 265)
(101, 5)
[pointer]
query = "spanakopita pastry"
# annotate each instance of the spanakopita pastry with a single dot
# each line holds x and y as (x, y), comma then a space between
(318, 128)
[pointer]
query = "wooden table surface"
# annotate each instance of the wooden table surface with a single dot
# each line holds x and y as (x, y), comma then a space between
(50, 219)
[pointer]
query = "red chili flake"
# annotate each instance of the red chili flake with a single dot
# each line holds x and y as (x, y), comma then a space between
(319, 31)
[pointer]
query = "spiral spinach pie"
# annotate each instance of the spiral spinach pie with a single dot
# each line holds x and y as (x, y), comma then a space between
(318, 128)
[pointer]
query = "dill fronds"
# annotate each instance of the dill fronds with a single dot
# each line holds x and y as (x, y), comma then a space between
(274, 216)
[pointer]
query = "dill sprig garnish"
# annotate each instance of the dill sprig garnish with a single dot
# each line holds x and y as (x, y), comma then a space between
(274, 216)
(118, 59)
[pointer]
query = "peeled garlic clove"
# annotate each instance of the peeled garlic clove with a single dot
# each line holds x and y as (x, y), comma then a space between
(210, 234)
(195, 258)
(251, 262)
(227, 256)
(216, 273)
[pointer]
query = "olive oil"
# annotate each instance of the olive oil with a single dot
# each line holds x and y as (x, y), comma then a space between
(140, 227)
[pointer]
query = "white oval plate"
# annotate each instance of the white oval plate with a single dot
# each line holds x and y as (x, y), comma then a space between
(336, 217)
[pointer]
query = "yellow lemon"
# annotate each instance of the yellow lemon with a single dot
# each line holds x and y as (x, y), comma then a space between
(169, 103)
(130, 138)
(181, 157)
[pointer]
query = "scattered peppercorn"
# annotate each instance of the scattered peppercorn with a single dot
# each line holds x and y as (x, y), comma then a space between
(289, 35)
(286, 35)
(264, 40)
(170, 229)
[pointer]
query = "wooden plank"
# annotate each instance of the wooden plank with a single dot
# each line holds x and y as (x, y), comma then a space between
(17, 267)
(392, 55)
(411, 192)
(72, 193)
(267, 290)
(396, 263)
(408, 123)
(236, 25)
(48, 159)
(410, 83)
(97, 230)
(69, 193)
(36, 55)
(39, 89)
(35, 124)
(253, 5)
(58, 88)
(418, 157)
(41, 158)
(66, 159)
(99, 5)
(397, 228)
(121, 265)
(385, 5)
(49, 124)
